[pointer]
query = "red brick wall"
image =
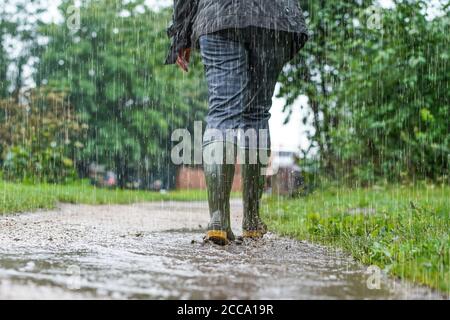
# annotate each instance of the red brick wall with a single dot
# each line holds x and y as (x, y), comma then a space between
(194, 178)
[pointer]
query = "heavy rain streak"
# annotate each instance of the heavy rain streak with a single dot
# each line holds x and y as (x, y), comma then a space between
(226, 149)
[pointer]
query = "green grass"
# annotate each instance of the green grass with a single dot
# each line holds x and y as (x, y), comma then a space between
(21, 197)
(404, 230)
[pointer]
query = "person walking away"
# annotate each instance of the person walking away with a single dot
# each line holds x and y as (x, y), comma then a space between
(244, 45)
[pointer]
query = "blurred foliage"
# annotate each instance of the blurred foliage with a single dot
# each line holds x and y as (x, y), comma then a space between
(113, 68)
(39, 137)
(19, 21)
(377, 81)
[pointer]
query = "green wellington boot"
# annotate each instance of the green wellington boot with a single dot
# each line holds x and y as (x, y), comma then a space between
(219, 180)
(253, 182)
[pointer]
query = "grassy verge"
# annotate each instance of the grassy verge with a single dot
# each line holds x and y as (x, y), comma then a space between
(404, 230)
(20, 198)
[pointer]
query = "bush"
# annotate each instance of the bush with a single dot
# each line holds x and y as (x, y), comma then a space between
(50, 165)
(39, 138)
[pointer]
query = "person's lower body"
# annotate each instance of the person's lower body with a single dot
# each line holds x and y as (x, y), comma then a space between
(241, 67)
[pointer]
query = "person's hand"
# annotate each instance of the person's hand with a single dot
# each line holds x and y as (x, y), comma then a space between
(184, 56)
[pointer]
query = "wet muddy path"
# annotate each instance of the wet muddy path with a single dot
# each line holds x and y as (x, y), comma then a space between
(155, 251)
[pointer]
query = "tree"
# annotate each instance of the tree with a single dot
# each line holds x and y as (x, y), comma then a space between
(316, 72)
(399, 95)
(19, 20)
(113, 69)
(376, 92)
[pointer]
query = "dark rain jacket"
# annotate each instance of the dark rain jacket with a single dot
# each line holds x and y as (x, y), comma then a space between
(193, 18)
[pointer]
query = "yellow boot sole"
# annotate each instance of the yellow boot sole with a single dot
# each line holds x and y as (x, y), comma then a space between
(218, 237)
(254, 234)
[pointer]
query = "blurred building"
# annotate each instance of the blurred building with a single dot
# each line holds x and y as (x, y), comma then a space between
(284, 175)
(101, 177)
(192, 177)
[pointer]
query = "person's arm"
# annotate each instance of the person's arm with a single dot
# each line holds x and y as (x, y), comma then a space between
(180, 32)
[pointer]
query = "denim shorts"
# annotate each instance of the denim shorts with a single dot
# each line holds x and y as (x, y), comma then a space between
(242, 67)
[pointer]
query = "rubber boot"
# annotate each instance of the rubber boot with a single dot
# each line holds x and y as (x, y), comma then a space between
(253, 182)
(219, 181)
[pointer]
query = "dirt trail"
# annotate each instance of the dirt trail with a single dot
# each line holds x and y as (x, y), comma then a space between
(155, 251)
